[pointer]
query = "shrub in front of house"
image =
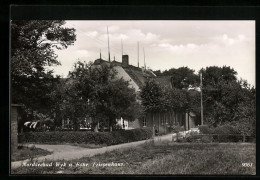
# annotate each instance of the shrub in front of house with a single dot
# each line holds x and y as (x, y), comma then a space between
(222, 129)
(227, 138)
(226, 133)
(204, 129)
(206, 139)
(222, 133)
(176, 128)
(197, 138)
(225, 129)
(108, 138)
(124, 136)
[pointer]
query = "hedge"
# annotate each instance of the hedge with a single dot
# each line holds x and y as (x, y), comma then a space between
(204, 129)
(208, 138)
(224, 129)
(223, 133)
(86, 137)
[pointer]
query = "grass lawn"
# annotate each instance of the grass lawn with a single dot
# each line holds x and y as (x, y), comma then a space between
(163, 158)
(26, 153)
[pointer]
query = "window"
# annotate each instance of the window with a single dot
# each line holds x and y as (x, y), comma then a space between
(144, 121)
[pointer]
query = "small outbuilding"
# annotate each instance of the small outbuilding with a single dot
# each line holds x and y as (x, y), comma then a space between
(15, 117)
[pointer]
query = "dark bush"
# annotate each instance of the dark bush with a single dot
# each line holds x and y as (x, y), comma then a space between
(226, 133)
(204, 129)
(227, 138)
(108, 138)
(225, 129)
(250, 139)
(176, 129)
(206, 139)
(192, 138)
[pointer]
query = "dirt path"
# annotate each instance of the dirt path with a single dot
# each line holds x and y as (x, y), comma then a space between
(69, 152)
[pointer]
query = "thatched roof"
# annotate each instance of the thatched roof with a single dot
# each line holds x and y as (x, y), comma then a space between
(138, 75)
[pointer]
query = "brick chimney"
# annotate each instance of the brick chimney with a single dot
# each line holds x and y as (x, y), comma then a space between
(125, 60)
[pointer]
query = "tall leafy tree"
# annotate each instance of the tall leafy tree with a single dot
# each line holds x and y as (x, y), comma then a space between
(95, 92)
(182, 77)
(220, 94)
(120, 101)
(32, 50)
(152, 97)
(176, 100)
(227, 100)
(151, 94)
(214, 74)
(193, 98)
(158, 99)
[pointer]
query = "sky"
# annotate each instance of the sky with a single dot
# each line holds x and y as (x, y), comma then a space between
(165, 44)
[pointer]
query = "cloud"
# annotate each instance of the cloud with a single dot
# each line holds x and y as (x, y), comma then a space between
(226, 40)
(167, 44)
(113, 29)
(241, 37)
(82, 52)
(91, 33)
(181, 48)
(139, 35)
(221, 43)
(123, 36)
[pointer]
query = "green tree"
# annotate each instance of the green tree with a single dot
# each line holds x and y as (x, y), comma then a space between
(152, 95)
(175, 100)
(214, 74)
(159, 99)
(119, 101)
(227, 100)
(32, 50)
(178, 99)
(182, 77)
(95, 91)
(193, 98)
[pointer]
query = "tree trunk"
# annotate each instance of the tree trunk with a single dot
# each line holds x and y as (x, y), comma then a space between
(165, 122)
(153, 125)
(62, 123)
(170, 120)
(73, 122)
(188, 121)
(123, 123)
(175, 114)
(110, 126)
(159, 122)
(96, 126)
